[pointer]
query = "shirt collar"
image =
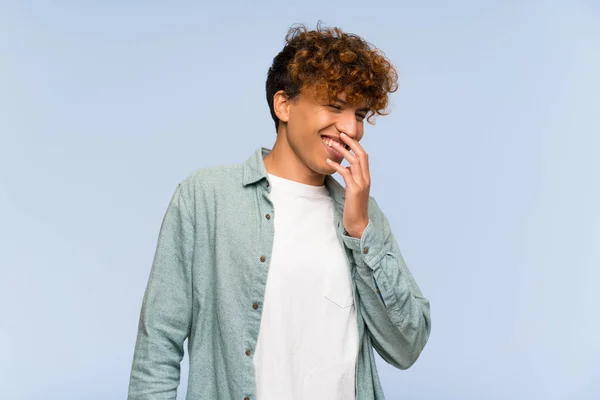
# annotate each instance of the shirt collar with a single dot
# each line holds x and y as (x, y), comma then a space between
(254, 171)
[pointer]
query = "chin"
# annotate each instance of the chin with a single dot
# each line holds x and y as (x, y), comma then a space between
(328, 170)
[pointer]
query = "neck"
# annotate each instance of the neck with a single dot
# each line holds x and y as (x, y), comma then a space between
(282, 161)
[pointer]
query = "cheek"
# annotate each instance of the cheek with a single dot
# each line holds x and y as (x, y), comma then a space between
(307, 122)
(297, 119)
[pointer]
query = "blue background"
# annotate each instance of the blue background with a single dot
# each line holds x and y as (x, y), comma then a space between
(487, 169)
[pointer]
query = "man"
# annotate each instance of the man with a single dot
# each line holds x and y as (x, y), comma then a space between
(282, 280)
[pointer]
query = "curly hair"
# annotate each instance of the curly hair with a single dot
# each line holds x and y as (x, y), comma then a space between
(333, 62)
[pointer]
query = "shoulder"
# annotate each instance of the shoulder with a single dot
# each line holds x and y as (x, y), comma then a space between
(202, 183)
(211, 177)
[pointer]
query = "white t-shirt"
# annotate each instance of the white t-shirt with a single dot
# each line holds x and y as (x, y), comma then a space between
(308, 338)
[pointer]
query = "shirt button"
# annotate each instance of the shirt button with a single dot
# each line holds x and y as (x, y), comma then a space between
(248, 352)
(262, 258)
(268, 216)
(366, 250)
(255, 306)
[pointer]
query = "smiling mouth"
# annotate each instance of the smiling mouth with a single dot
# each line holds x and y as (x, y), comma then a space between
(333, 153)
(327, 139)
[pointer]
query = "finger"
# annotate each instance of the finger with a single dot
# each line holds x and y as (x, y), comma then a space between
(344, 151)
(357, 172)
(344, 172)
(361, 156)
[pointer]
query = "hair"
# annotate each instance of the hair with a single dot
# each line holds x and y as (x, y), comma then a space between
(333, 62)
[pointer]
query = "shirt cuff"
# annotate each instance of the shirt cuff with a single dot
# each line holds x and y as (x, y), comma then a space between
(369, 249)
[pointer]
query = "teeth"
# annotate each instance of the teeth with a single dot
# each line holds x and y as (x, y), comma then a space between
(329, 142)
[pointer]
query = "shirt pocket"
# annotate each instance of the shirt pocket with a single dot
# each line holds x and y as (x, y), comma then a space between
(338, 290)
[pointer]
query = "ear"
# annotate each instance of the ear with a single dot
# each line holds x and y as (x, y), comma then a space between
(281, 106)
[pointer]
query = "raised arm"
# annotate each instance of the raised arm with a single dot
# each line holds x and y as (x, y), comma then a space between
(396, 314)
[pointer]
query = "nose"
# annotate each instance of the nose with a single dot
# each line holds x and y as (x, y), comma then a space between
(349, 125)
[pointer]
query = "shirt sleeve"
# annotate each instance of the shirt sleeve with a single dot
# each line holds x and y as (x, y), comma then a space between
(396, 314)
(166, 311)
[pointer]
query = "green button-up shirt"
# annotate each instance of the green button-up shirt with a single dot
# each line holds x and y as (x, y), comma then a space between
(207, 285)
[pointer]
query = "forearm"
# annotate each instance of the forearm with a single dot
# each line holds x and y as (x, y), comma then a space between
(395, 312)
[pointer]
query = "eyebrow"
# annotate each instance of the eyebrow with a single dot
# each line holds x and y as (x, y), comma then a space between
(366, 109)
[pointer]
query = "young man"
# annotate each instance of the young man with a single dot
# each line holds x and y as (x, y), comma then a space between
(282, 280)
